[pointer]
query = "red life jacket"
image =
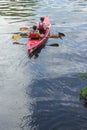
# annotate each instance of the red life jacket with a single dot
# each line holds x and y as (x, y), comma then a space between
(32, 35)
(40, 26)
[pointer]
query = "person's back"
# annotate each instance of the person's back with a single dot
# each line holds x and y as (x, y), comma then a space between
(42, 26)
(34, 34)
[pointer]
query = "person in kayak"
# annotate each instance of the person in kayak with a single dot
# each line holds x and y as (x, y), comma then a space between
(42, 26)
(34, 33)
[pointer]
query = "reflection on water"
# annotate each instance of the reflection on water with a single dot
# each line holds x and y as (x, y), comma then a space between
(37, 51)
(56, 105)
(18, 10)
(43, 93)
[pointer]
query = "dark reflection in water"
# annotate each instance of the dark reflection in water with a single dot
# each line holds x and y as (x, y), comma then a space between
(16, 10)
(36, 52)
(56, 105)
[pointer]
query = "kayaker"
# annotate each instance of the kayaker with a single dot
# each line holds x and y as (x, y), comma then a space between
(42, 26)
(34, 34)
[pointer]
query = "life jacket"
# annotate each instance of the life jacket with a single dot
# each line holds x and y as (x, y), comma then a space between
(41, 26)
(33, 34)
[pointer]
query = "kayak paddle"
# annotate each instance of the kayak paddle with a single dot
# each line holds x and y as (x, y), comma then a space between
(23, 28)
(22, 35)
(16, 37)
(60, 35)
(54, 44)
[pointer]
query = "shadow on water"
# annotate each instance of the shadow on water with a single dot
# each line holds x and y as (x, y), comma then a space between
(36, 52)
(56, 105)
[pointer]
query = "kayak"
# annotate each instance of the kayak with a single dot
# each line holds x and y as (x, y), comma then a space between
(33, 45)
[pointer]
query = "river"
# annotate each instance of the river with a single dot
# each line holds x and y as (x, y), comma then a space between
(43, 93)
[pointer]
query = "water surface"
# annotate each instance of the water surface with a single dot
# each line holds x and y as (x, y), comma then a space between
(43, 93)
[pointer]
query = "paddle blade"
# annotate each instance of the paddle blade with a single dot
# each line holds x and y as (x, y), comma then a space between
(24, 28)
(54, 45)
(61, 35)
(18, 43)
(16, 37)
(24, 35)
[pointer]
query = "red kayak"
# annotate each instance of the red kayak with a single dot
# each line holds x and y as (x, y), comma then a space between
(32, 45)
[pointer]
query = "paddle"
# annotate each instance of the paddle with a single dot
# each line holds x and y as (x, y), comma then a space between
(60, 35)
(16, 37)
(22, 35)
(54, 44)
(23, 28)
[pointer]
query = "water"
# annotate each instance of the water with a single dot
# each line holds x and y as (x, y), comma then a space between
(43, 93)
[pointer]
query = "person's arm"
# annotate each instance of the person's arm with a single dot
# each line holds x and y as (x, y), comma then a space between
(38, 34)
(37, 25)
(29, 34)
(49, 25)
(46, 26)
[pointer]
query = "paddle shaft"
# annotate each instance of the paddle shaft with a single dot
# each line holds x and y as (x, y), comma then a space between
(16, 37)
(54, 44)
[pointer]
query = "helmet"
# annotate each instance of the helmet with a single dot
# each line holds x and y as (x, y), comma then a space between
(34, 27)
